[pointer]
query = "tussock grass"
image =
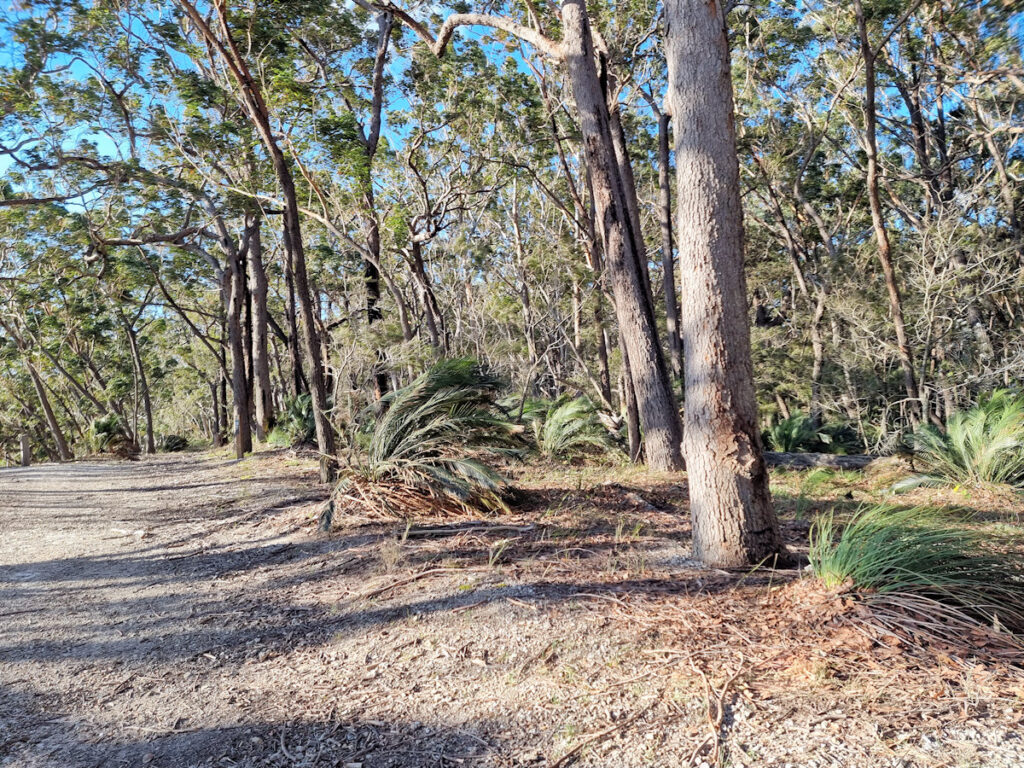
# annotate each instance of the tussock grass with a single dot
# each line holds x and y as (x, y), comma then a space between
(918, 557)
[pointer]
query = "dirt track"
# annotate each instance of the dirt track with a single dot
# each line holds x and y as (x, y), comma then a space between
(120, 590)
(182, 611)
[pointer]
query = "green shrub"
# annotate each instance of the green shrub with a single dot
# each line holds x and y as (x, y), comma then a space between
(571, 427)
(881, 553)
(984, 444)
(108, 435)
(427, 450)
(173, 443)
(295, 425)
(799, 433)
(792, 434)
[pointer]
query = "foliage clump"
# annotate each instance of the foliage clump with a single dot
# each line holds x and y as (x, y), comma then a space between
(936, 573)
(984, 444)
(173, 443)
(801, 433)
(571, 427)
(428, 450)
(108, 435)
(296, 425)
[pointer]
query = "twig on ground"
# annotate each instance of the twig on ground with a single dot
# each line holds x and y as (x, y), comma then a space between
(415, 577)
(284, 749)
(601, 736)
(715, 711)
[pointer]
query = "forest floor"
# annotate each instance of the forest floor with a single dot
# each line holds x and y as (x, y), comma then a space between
(183, 610)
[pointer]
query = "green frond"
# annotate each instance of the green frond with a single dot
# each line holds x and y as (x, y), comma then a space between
(434, 434)
(984, 444)
(572, 426)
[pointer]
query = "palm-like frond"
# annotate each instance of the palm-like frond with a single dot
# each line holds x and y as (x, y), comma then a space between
(572, 426)
(108, 435)
(794, 433)
(799, 432)
(984, 444)
(433, 436)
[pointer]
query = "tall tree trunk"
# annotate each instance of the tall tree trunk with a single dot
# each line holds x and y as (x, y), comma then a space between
(818, 351)
(140, 371)
(216, 434)
(655, 401)
(63, 451)
(298, 380)
(431, 311)
(734, 523)
(235, 289)
(371, 275)
(675, 348)
(629, 188)
(263, 404)
(224, 47)
(224, 425)
(315, 374)
(878, 218)
(524, 286)
(604, 369)
(628, 393)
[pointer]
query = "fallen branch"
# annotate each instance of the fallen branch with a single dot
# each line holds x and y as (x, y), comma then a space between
(454, 530)
(809, 460)
(415, 577)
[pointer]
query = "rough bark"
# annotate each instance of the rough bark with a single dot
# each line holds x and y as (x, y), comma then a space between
(655, 401)
(263, 404)
(629, 189)
(734, 523)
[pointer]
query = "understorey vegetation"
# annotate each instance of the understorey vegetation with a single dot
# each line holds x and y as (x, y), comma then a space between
(443, 250)
(926, 568)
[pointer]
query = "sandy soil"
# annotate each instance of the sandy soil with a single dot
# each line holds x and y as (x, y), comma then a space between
(183, 611)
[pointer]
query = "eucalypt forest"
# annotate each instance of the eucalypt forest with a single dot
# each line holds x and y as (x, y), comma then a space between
(511, 383)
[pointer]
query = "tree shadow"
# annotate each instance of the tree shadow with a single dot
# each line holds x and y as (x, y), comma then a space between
(325, 743)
